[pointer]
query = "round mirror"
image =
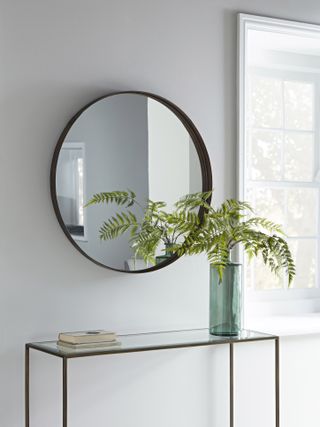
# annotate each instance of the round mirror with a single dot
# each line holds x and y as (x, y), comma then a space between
(115, 156)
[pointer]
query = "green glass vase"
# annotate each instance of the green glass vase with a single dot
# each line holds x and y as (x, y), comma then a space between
(167, 254)
(226, 301)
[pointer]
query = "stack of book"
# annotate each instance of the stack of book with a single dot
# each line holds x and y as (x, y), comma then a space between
(84, 340)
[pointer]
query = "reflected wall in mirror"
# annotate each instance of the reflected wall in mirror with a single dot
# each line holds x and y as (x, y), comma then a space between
(279, 165)
(124, 141)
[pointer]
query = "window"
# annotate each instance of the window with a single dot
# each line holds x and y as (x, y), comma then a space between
(70, 188)
(279, 145)
(280, 174)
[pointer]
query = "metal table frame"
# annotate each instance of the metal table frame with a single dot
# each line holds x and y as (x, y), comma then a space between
(231, 341)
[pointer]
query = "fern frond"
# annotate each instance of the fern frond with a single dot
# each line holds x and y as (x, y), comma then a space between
(117, 197)
(117, 225)
(232, 206)
(193, 201)
(265, 224)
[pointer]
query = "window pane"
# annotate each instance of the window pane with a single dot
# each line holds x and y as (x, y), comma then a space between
(266, 155)
(298, 157)
(304, 253)
(269, 203)
(298, 104)
(266, 102)
(248, 272)
(281, 146)
(302, 212)
(264, 278)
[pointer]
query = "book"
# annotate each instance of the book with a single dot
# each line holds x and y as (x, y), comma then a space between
(84, 346)
(83, 337)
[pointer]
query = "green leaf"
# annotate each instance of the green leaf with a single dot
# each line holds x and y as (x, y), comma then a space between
(117, 225)
(117, 197)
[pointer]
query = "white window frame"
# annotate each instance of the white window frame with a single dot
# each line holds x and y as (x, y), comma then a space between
(250, 22)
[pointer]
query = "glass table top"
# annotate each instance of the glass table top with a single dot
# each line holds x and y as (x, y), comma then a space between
(151, 341)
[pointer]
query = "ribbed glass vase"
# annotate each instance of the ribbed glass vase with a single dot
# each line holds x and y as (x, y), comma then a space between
(226, 301)
(166, 255)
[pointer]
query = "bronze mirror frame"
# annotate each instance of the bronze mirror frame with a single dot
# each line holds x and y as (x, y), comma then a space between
(194, 135)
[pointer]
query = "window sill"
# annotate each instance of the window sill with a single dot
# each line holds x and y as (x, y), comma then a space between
(302, 324)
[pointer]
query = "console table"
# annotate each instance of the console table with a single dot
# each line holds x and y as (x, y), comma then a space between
(149, 342)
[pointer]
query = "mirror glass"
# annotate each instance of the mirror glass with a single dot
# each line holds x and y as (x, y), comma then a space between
(123, 142)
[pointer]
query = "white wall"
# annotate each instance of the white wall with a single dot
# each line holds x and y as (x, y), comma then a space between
(168, 155)
(55, 57)
(300, 376)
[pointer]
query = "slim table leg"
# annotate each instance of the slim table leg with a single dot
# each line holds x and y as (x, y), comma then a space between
(27, 385)
(231, 384)
(277, 381)
(64, 392)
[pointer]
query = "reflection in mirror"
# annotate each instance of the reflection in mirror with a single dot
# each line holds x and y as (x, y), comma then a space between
(125, 141)
(279, 130)
(70, 188)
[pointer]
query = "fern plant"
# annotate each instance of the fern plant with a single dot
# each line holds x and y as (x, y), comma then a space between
(157, 225)
(231, 224)
(217, 233)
